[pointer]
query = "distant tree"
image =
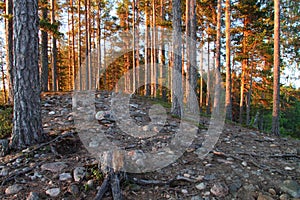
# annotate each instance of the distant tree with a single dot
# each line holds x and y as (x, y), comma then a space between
(177, 91)
(44, 50)
(9, 47)
(276, 82)
(54, 50)
(27, 118)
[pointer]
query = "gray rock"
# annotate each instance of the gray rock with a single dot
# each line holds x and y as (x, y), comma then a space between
(235, 186)
(90, 183)
(201, 186)
(264, 197)
(73, 189)
(51, 113)
(13, 189)
(33, 196)
(53, 192)
(196, 198)
(291, 187)
(79, 173)
(284, 197)
(54, 167)
(209, 177)
(4, 172)
(219, 189)
(65, 176)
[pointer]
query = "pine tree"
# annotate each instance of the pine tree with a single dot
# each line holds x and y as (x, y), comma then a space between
(27, 119)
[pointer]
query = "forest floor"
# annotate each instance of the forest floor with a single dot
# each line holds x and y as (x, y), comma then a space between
(244, 164)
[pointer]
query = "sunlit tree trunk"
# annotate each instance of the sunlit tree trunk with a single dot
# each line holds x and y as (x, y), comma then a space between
(9, 48)
(218, 80)
(27, 121)
(73, 46)
(99, 61)
(228, 101)
(177, 93)
(147, 68)
(276, 84)
(208, 79)
(79, 78)
(244, 68)
(54, 51)
(134, 46)
(3, 78)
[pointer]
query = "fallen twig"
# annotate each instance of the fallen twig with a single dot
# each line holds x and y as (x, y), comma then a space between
(39, 146)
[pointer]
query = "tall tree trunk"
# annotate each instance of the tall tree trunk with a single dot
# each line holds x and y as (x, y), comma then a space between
(244, 67)
(147, 68)
(217, 95)
(27, 120)
(99, 46)
(79, 48)
(3, 79)
(133, 50)
(248, 108)
(193, 72)
(44, 53)
(86, 46)
(208, 79)
(276, 86)
(201, 78)
(54, 51)
(73, 46)
(9, 49)
(137, 39)
(177, 94)
(154, 73)
(228, 101)
(188, 43)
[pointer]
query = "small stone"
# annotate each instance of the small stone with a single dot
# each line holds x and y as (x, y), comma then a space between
(187, 175)
(289, 168)
(201, 186)
(52, 113)
(79, 173)
(33, 196)
(264, 197)
(272, 191)
(65, 176)
(184, 191)
(73, 189)
(244, 163)
(13, 189)
(90, 183)
(219, 190)
(4, 172)
(53, 192)
(54, 167)
(284, 197)
(291, 187)
(196, 198)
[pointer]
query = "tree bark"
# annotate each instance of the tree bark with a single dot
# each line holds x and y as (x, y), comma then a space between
(54, 51)
(9, 48)
(177, 93)
(79, 48)
(276, 84)
(147, 68)
(44, 53)
(217, 95)
(27, 120)
(228, 101)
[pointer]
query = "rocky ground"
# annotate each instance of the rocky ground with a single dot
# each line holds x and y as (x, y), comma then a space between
(244, 164)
